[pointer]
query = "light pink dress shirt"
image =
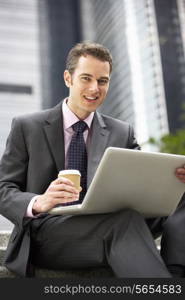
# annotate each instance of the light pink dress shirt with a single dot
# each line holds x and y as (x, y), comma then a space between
(69, 118)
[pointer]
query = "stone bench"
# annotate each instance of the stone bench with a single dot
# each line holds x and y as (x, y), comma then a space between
(45, 273)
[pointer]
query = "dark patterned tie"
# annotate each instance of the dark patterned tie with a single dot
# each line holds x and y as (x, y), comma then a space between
(77, 156)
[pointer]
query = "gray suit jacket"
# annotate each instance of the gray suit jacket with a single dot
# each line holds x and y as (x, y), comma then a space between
(33, 157)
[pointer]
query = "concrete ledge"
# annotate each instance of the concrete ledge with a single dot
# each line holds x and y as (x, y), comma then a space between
(4, 238)
(5, 273)
(2, 253)
(87, 273)
(45, 273)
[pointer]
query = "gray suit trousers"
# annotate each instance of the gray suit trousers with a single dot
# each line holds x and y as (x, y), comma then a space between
(172, 243)
(120, 240)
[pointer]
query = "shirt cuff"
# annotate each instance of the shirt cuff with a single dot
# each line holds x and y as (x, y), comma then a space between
(29, 212)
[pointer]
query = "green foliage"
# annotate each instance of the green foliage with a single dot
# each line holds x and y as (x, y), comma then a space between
(171, 143)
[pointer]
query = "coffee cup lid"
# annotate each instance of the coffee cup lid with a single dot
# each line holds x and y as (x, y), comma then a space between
(73, 172)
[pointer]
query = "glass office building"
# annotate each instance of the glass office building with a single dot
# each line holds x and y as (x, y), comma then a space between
(20, 90)
(129, 30)
(148, 81)
(105, 22)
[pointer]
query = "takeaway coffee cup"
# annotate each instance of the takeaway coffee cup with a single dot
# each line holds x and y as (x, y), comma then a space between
(73, 175)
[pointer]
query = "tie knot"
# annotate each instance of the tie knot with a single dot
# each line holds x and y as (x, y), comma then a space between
(80, 126)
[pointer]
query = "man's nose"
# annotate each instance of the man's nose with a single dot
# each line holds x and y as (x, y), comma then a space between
(94, 86)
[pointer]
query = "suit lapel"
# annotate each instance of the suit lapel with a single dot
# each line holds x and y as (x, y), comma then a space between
(55, 136)
(98, 144)
(54, 133)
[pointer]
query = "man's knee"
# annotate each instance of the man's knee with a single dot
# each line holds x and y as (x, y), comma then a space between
(124, 217)
(172, 224)
(130, 213)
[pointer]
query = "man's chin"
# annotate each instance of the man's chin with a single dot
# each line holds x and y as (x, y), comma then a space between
(92, 106)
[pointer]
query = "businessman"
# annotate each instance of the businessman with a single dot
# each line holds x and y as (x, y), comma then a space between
(72, 135)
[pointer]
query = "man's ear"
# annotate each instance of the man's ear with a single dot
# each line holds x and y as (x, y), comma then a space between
(67, 78)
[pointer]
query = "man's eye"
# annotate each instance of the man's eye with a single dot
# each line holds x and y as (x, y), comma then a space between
(85, 78)
(102, 81)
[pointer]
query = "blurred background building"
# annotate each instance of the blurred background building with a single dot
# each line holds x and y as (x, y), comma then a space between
(20, 89)
(171, 31)
(147, 41)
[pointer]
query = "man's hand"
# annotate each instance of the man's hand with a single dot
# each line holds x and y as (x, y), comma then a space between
(180, 173)
(60, 191)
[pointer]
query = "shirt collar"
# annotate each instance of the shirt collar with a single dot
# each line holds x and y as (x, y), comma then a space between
(69, 118)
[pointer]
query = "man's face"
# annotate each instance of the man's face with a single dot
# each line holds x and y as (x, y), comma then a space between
(88, 85)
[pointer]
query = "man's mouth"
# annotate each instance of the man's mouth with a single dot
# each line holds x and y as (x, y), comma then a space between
(90, 99)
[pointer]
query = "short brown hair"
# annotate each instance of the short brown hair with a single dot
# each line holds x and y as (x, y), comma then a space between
(86, 48)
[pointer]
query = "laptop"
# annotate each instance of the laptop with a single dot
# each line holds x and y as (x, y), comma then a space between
(139, 180)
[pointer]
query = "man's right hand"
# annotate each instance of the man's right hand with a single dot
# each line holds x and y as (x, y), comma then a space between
(180, 173)
(60, 191)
